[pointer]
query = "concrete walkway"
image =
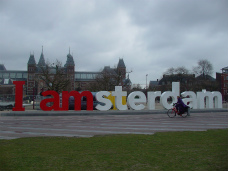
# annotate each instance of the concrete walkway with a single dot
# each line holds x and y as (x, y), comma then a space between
(87, 124)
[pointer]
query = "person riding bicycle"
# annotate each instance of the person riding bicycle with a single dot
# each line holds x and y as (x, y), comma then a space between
(181, 107)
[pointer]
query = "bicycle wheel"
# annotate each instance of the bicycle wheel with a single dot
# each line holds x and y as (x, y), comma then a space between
(171, 113)
(184, 115)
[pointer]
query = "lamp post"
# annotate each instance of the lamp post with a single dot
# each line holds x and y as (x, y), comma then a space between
(146, 80)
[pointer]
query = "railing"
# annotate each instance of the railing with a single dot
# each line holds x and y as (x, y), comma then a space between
(7, 98)
(29, 101)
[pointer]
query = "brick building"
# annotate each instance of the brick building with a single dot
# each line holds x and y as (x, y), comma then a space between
(222, 78)
(79, 80)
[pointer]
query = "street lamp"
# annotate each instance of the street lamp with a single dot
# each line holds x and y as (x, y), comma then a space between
(146, 80)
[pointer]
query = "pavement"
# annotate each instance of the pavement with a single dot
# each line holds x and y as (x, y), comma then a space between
(97, 112)
(36, 123)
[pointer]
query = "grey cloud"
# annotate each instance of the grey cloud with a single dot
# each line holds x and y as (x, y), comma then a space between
(151, 35)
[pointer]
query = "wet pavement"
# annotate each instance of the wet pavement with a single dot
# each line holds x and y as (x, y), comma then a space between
(91, 124)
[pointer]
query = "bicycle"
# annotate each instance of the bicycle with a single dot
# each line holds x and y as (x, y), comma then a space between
(173, 112)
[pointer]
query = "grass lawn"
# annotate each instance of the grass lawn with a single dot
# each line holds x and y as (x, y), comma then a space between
(179, 151)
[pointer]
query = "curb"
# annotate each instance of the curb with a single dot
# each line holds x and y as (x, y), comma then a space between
(89, 113)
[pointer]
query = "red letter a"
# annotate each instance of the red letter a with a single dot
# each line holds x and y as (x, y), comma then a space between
(19, 96)
(55, 101)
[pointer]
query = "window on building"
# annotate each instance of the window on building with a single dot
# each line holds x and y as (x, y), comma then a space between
(5, 75)
(83, 76)
(19, 75)
(77, 76)
(25, 75)
(89, 76)
(12, 75)
(95, 76)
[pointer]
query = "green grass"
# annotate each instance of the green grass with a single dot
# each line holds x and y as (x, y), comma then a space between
(179, 151)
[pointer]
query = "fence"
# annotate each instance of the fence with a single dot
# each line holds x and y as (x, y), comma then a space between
(29, 101)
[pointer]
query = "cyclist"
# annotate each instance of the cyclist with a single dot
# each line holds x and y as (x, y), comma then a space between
(181, 107)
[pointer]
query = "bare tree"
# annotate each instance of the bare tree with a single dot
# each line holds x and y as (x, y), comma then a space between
(204, 68)
(54, 76)
(178, 70)
(181, 70)
(105, 81)
(170, 71)
(136, 87)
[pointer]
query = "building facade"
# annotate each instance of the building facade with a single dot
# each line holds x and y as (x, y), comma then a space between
(222, 79)
(79, 80)
(182, 78)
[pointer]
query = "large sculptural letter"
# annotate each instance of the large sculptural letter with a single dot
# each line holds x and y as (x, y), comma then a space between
(132, 100)
(209, 98)
(191, 99)
(151, 99)
(118, 93)
(173, 94)
(100, 96)
(19, 96)
(77, 99)
(44, 103)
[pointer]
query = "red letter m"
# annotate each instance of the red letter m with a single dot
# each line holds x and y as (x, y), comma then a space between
(77, 99)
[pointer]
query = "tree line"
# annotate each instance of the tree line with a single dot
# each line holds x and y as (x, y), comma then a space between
(107, 81)
(204, 67)
(196, 80)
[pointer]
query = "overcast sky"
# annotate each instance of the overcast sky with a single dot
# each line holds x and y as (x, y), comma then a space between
(150, 35)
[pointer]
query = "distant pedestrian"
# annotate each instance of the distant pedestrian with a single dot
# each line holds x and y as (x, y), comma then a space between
(41, 91)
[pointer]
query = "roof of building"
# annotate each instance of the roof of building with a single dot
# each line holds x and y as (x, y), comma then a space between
(70, 60)
(121, 64)
(2, 67)
(153, 83)
(109, 70)
(225, 68)
(207, 77)
(177, 77)
(31, 60)
(42, 60)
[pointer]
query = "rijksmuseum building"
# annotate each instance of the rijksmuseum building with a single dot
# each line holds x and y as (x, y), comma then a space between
(79, 80)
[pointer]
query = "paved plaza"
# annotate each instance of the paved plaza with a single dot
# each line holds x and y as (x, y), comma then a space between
(88, 125)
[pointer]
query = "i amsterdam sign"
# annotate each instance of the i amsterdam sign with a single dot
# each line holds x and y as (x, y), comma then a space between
(194, 100)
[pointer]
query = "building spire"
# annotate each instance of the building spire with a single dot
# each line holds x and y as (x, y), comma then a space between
(70, 60)
(31, 60)
(42, 60)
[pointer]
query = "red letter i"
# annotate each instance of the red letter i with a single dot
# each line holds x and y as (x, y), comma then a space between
(19, 96)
